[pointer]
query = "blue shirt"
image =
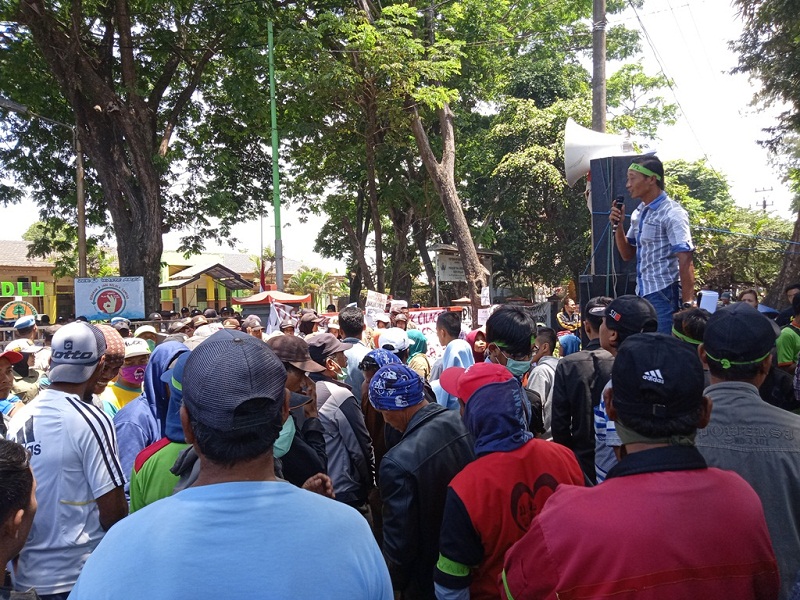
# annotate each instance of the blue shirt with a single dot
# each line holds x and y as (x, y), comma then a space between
(248, 539)
(659, 231)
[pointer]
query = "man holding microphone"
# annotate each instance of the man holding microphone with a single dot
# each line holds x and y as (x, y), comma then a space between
(659, 238)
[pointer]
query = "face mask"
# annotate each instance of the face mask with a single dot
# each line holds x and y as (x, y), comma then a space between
(132, 373)
(284, 441)
(341, 374)
(518, 368)
(151, 344)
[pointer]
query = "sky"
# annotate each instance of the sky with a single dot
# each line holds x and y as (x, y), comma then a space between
(688, 41)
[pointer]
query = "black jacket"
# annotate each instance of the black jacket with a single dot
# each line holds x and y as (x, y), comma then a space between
(414, 476)
(579, 381)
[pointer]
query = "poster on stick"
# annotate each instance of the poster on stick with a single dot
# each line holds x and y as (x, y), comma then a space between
(106, 297)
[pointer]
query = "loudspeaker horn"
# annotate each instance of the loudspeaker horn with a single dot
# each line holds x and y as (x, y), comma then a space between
(582, 145)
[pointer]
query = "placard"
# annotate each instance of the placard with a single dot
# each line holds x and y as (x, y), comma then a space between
(106, 297)
(376, 300)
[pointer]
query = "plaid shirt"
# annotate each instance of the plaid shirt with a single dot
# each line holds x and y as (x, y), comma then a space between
(658, 230)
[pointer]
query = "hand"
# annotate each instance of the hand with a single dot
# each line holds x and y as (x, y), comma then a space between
(615, 216)
(319, 484)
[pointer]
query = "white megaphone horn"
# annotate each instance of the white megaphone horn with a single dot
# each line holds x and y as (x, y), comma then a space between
(582, 145)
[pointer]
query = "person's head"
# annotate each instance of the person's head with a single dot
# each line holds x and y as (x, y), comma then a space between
(545, 345)
(737, 344)
(568, 305)
(327, 351)
(477, 341)
(77, 358)
(183, 326)
(374, 360)
(149, 334)
(796, 306)
(287, 326)
(448, 326)
(233, 399)
(252, 326)
(115, 357)
(225, 311)
(689, 325)
(750, 297)
(292, 351)
(172, 379)
(419, 343)
(396, 340)
(28, 350)
(185, 311)
(462, 383)
(25, 327)
(397, 392)
(658, 390)
(210, 313)
(8, 359)
(351, 321)
(791, 291)
(333, 328)
(401, 321)
(645, 178)
(593, 316)
(382, 321)
(156, 316)
(510, 335)
(725, 298)
(624, 317)
(137, 354)
(309, 323)
(17, 498)
(231, 323)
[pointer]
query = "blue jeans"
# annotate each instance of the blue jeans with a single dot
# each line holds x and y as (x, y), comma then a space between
(666, 302)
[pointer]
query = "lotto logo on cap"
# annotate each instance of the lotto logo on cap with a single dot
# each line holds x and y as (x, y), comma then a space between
(614, 315)
(76, 350)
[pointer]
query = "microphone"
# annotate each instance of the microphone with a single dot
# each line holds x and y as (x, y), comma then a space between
(618, 203)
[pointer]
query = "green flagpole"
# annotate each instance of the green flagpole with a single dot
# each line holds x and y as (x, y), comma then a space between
(276, 191)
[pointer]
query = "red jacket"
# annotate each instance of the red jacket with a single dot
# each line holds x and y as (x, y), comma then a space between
(663, 525)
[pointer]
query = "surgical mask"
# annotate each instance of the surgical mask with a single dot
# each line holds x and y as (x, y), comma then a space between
(341, 374)
(151, 344)
(284, 441)
(518, 368)
(132, 373)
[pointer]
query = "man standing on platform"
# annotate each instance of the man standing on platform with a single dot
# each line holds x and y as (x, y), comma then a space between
(660, 240)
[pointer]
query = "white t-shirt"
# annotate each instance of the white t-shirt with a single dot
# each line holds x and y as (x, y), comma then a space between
(73, 450)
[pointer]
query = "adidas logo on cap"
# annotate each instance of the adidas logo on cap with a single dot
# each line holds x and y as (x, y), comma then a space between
(654, 376)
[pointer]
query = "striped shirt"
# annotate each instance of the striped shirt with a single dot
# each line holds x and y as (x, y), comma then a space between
(659, 231)
(73, 450)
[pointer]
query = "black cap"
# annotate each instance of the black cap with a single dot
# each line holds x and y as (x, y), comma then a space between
(656, 376)
(739, 334)
(632, 313)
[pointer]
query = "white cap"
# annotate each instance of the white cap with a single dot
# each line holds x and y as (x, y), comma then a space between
(394, 340)
(136, 347)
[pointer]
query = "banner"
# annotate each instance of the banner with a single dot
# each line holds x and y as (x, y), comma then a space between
(425, 320)
(103, 298)
(278, 313)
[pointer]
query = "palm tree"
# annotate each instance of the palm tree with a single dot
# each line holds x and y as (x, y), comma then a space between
(315, 282)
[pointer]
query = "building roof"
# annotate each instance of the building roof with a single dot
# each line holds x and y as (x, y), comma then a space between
(227, 277)
(14, 253)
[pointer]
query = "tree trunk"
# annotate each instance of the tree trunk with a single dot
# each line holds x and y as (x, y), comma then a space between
(370, 107)
(442, 175)
(400, 285)
(788, 273)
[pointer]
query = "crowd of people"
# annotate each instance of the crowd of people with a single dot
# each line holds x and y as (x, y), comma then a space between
(204, 457)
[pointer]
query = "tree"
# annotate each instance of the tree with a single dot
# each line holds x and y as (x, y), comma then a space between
(634, 103)
(58, 241)
(316, 282)
(131, 75)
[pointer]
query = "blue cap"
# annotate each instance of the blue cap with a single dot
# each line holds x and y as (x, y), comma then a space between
(25, 322)
(174, 379)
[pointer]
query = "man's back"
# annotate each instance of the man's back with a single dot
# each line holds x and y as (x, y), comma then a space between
(265, 539)
(74, 456)
(761, 443)
(647, 534)
(413, 481)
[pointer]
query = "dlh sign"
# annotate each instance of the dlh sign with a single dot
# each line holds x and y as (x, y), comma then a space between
(21, 288)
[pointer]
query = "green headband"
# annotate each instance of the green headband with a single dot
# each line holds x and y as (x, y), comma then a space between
(643, 170)
(726, 364)
(685, 338)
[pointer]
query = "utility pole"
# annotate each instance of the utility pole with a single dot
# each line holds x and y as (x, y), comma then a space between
(763, 202)
(599, 66)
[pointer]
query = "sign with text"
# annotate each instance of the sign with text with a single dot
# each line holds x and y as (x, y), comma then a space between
(14, 310)
(103, 298)
(376, 300)
(449, 267)
(10, 289)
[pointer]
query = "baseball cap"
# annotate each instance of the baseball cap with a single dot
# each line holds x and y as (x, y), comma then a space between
(115, 344)
(462, 383)
(76, 350)
(11, 356)
(310, 317)
(146, 329)
(136, 347)
(23, 346)
(632, 313)
(324, 345)
(253, 322)
(179, 324)
(227, 370)
(210, 313)
(173, 377)
(294, 350)
(394, 339)
(401, 317)
(230, 324)
(198, 320)
(739, 334)
(121, 324)
(286, 323)
(25, 322)
(656, 376)
(383, 317)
